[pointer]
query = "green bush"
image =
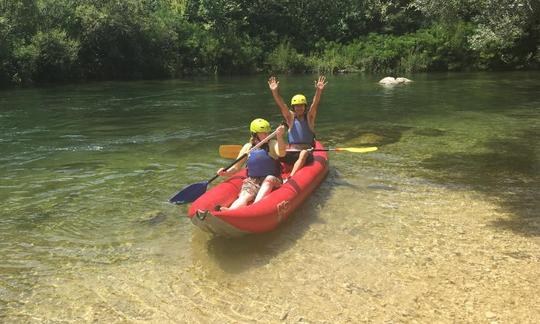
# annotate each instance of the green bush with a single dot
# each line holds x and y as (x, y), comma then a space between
(334, 57)
(436, 48)
(55, 40)
(237, 54)
(285, 59)
(6, 52)
(54, 55)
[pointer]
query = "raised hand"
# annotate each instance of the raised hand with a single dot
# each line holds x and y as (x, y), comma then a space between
(273, 83)
(319, 84)
(280, 130)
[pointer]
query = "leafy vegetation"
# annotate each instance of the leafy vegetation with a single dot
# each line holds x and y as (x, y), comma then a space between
(62, 40)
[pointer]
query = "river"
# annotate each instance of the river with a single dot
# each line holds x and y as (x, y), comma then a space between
(440, 224)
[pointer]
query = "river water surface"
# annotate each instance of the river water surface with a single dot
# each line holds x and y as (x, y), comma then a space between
(440, 224)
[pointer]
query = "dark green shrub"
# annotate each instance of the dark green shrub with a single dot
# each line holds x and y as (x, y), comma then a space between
(285, 59)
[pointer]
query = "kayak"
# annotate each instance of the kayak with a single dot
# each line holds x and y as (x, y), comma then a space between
(266, 214)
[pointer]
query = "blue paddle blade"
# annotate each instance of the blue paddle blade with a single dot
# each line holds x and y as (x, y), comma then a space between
(189, 193)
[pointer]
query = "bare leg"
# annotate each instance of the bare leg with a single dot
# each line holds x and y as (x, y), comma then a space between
(268, 184)
(241, 201)
(300, 162)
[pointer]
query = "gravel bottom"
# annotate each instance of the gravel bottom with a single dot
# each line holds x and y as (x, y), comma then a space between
(415, 254)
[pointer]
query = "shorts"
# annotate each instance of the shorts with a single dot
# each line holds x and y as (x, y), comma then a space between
(291, 157)
(251, 185)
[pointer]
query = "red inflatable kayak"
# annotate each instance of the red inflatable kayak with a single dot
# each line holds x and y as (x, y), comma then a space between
(264, 215)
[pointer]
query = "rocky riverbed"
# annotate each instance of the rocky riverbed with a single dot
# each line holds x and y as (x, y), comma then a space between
(413, 253)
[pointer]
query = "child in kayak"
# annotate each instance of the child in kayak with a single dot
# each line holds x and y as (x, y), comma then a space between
(263, 168)
(301, 123)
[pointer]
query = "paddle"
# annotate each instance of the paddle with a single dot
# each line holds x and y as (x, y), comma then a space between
(348, 149)
(195, 190)
(231, 151)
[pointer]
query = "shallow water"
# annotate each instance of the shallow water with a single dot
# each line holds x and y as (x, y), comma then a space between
(440, 224)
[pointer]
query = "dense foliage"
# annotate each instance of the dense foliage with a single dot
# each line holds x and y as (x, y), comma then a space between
(58, 40)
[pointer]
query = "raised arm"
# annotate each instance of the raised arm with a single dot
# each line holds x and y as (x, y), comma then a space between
(280, 147)
(273, 84)
(319, 87)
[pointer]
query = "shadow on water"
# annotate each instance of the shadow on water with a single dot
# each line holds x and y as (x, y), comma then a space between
(236, 255)
(509, 173)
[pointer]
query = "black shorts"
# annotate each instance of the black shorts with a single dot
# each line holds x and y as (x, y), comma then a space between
(291, 157)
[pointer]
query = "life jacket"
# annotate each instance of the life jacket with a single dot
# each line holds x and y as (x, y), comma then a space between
(300, 133)
(261, 164)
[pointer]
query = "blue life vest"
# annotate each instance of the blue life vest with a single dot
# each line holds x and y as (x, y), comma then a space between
(261, 164)
(300, 133)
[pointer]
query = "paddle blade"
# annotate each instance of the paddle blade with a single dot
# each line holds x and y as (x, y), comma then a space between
(229, 151)
(189, 193)
(357, 149)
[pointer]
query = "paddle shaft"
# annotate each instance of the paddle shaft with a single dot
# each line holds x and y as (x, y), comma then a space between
(343, 149)
(320, 150)
(323, 150)
(231, 151)
(266, 139)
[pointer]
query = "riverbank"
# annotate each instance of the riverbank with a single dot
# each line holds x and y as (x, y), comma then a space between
(67, 41)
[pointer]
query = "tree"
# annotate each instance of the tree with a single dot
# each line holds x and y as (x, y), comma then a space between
(501, 25)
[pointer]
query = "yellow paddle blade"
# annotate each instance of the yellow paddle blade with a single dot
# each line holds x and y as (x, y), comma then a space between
(229, 151)
(357, 149)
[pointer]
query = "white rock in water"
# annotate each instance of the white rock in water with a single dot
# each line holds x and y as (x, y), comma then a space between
(388, 80)
(403, 80)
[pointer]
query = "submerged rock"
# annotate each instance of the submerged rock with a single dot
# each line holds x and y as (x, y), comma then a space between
(381, 187)
(429, 132)
(369, 138)
(153, 218)
(365, 139)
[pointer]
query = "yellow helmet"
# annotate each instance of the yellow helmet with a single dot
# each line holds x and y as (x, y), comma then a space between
(260, 125)
(298, 100)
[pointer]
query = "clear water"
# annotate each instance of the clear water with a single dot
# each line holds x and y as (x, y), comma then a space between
(87, 234)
